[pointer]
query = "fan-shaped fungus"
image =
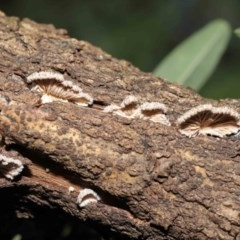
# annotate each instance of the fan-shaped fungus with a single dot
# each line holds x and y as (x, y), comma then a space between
(87, 196)
(10, 167)
(208, 120)
(54, 87)
(128, 108)
(154, 111)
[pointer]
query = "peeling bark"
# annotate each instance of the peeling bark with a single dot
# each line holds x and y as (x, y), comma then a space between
(154, 182)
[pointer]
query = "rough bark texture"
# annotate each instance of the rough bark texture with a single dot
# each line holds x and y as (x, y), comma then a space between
(154, 182)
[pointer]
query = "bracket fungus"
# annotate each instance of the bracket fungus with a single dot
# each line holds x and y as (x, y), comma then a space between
(154, 111)
(208, 120)
(54, 87)
(128, 108)
(10, 167)
(87, 196)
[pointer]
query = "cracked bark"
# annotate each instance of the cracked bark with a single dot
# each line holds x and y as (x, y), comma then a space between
(154, 183)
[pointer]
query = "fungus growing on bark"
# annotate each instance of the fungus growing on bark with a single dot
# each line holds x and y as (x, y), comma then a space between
(111, 108)
(87, 196)
(208, 120)
(129, 102)
(127, 109)
(71, 189)
(154, 111)
(54, 87)
(10, 167)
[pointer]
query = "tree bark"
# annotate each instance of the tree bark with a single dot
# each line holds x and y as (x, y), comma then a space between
(154, 182)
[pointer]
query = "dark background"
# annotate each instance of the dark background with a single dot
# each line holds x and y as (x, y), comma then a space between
(142, 32)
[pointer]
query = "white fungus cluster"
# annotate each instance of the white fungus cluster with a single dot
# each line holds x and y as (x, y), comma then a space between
(202, 120)
(131, 108)
(54, 87)
(10, 167)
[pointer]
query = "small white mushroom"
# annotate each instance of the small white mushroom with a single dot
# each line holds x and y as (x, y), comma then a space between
(208, 120)
(87, 196)
(154, 111)
(10, 167)
(54, 87)
(128, 108)
(129, 101)
(71, 189)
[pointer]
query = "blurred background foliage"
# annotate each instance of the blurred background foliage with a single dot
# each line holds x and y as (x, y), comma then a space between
(142, 32)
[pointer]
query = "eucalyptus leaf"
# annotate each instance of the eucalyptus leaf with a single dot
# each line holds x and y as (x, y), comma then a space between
(237, 32)
(194, 60)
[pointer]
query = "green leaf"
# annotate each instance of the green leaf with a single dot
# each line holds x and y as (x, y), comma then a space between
(194, 60)
(237, 32)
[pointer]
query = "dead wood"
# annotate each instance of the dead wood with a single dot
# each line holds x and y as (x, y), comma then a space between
(153, 181)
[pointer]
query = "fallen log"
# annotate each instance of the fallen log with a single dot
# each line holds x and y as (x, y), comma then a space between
(158, 160)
